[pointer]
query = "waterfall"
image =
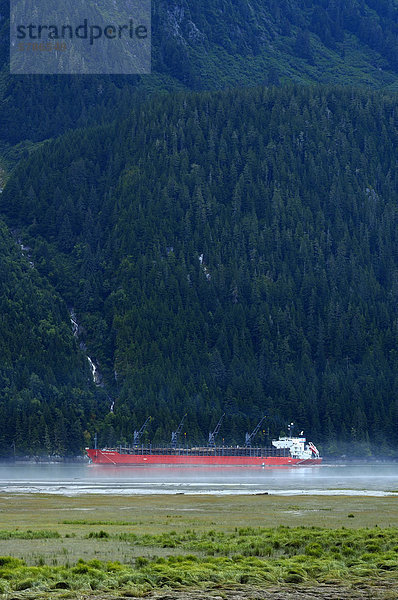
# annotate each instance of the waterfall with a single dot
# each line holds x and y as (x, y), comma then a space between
(96, 375)
(94, 371)
(75, 325)
(205, 269)
(25, 251)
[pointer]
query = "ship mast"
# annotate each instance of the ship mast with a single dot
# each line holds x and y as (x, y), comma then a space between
(138, 434)
(212, 435)
(251, 436)
(175, 434)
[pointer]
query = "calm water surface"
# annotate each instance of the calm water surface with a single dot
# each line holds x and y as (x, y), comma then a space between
(77, 479)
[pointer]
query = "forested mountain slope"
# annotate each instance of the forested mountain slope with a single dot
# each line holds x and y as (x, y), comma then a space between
(46, 398)
(210, 44)
(230, 251)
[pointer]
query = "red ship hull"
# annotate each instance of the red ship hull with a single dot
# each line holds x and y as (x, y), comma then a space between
(112, 457)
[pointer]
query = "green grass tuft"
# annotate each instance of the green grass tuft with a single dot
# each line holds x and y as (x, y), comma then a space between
(41, 534)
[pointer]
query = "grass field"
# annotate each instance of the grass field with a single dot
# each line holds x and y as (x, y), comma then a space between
(132, 545)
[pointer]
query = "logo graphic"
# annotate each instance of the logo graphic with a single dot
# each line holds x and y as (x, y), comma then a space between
(80, 36)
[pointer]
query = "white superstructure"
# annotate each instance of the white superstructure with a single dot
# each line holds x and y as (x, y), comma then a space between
(298, 447)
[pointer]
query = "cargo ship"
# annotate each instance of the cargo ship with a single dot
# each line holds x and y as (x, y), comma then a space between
(285, 451)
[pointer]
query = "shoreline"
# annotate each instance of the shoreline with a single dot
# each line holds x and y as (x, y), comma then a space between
(375, 494)
(373, 480)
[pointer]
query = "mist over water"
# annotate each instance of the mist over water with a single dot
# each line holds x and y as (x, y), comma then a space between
(77, 479)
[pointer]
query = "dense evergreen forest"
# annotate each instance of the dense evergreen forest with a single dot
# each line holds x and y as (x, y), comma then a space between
(212, 44)
(46, 398)
(220, 251)
(223, 251)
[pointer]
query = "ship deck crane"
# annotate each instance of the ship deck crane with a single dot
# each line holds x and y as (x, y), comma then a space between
(175, 434)
(250, 436)
(138, 434)
(212, 435)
